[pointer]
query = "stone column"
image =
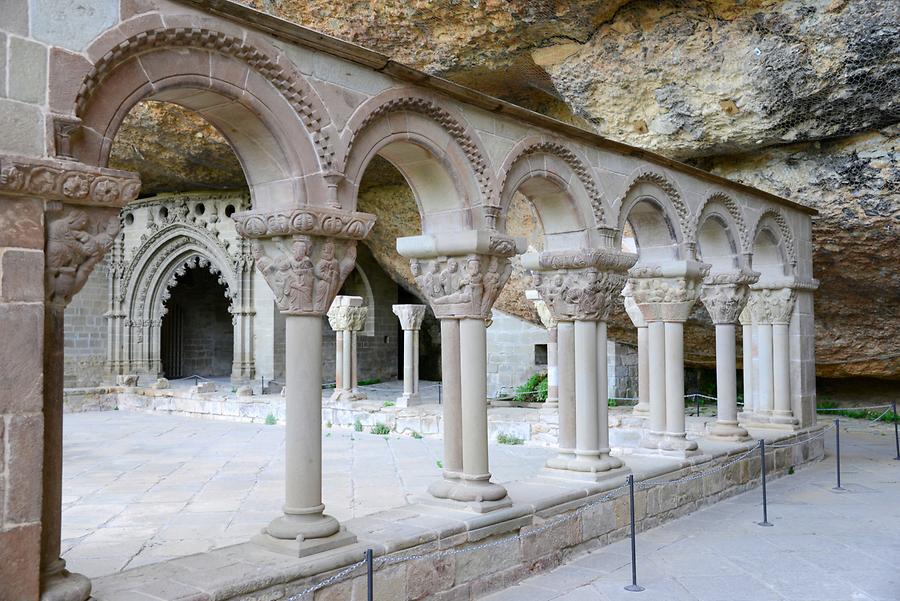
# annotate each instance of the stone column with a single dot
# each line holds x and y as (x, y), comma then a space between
(634, 312)
(305, 271)
(565, 395)
(656, 365)
(579, 289)
(747, 361)
(411, 322)
(71, 212)
(552, 347)
(724, 296)
(347, 316)
(773, 307)
(243, 368)
(665, 296)
(461, 275)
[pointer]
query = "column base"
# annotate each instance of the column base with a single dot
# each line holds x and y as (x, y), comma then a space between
(59, 584)
(769, 419)
(561, 461)
(677, 441)
(343, 396)
(728, 431)
(641, 409)
(301, 547)
(440, 489)
(651, 440)
(410, 400)
(610, 478)
(308, 525)
(478, 493)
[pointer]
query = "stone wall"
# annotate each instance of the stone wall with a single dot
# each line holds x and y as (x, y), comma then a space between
(511, 343)
(86, 332)
(622, 369)
(21, 386)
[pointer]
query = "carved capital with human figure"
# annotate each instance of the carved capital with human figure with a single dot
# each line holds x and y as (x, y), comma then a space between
(666, 294)
(725, 295)
(461, 286)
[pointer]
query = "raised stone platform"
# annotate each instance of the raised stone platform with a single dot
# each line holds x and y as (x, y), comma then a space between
(506, 545)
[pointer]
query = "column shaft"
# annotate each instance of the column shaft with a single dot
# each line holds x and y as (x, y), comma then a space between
(451, 397)
(747, 362)
(553, 366)
(473, 372)
(339, 360)
(354, 363)
(303, 508)
(409, 366)
(415, 357)
(643, 405)
(726, 373)
(566, 371)
(781, 369)
(602, 388)
(766, 384)
(586, 438)
(656, 353)
(674, 373)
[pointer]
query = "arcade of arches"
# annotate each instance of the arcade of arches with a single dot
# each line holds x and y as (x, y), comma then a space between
(306, 115)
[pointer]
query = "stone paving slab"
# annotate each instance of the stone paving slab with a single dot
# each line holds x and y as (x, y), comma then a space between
(141, 488)
(825, 546)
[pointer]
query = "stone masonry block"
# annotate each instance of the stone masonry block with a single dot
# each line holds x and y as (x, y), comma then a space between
(71, 25)
(27, 71)
(21, 378)
(21, 275)
(20, 549)
(23, 130)
(429, 576)
(2, 58)
(25, 436)
(551, 541)
(474, 564)
(15, 16)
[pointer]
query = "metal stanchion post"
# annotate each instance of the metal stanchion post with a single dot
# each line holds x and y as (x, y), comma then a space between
(370, 590)
(896, 433)
(440, 393)
(837, 444)
(634, 586)
(762, 465)
(697, 401)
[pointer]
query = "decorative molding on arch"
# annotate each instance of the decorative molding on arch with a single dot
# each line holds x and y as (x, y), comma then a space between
(410, 101)
(733, 209)
(787, 235)
(580, 168)
(668, 187)
(290, 84)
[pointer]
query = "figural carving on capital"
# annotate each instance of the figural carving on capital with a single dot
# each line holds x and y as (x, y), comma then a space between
(304, 272)
(725, 295)
(581, 285)
(462, 286)
(664, 296)
(772, 305)
(67, 181)
(410, 316)
(77, 239)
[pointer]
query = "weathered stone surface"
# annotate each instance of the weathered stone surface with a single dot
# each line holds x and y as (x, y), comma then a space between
(21, 275)
(28, 85)
(23, 129)
(20, 561)
(25, 435)
(72, 24)
(15, 16)
(22, 333)
(21, 223)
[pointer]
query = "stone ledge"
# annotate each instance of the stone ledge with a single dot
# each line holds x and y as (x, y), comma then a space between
(246, 571)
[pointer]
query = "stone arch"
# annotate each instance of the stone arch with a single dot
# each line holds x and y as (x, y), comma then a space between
(654, 208)
(720, 233)
(773, 251)
(559, 183)
(273, 119)
(430, 144)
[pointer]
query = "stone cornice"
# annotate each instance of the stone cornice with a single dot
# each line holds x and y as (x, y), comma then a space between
(596, 258)
(65, 181)
(309, 220)
(460, 244)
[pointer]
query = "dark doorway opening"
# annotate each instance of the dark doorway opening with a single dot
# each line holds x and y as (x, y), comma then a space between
(197, 337)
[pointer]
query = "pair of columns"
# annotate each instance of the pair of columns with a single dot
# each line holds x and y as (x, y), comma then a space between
(347, 317)
(767, 380)
(664, 296)
(578, 291)
(461, 276)
(410, 317)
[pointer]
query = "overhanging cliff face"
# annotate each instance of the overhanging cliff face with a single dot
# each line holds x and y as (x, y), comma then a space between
(794, 97)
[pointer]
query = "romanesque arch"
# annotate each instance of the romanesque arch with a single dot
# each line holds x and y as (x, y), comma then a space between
(432, 146)
(252, 94)
(720, 233)
(654, 208)
(773, 251)
(562, 187)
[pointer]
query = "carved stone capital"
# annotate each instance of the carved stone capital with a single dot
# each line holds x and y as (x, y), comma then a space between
(347, 313)
(582, 294)
(304, 272)
(410, 316)
(664, 298)
(308, 220)
(725, 294)
(462, 286)
(772, 305)
(67, 181)
(77, 239)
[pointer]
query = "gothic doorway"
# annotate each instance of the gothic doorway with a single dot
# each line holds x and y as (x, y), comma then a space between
(197, 336)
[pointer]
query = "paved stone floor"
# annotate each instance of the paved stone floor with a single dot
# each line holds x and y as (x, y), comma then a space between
(825, 545)
(141, 488)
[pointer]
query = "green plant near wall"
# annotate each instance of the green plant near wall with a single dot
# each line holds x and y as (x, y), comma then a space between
(532, 391)
(357, 426)
(271, 420)
(380, 429)
(509, 439)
